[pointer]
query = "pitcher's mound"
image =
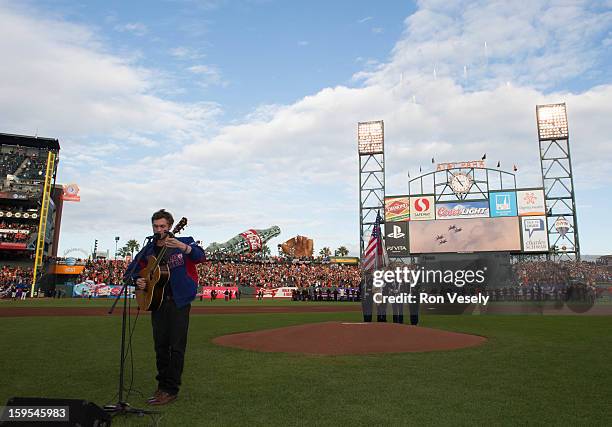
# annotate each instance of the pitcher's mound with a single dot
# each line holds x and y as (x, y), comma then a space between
(340, 338)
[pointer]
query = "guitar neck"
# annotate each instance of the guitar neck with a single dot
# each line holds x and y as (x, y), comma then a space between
(179, 227)
(159, 257)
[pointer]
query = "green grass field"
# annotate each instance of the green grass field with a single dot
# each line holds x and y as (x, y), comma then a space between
(533, 370)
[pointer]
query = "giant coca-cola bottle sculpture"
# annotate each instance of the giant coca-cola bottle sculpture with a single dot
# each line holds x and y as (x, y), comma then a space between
(248, 241)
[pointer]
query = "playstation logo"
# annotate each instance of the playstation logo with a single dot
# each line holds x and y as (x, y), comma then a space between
(397, 232)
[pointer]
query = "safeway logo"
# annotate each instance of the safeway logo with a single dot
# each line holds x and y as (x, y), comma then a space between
(421, 205)
(397, 232)
(422, 208)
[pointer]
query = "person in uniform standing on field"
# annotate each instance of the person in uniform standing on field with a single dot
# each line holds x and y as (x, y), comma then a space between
(397, 289)
(367, 301)
(413, 307)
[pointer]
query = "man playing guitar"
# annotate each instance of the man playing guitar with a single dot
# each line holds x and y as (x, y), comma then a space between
(170, 321)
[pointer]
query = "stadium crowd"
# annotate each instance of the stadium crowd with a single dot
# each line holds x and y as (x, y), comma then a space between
(316, 281)
(22, 170)
(14, 281)
(103, 271)
(16, 232)
(554, 281)
(276, 272)
(24, 163)
(560, 273)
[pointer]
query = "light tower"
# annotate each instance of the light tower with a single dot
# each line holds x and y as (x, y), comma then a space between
(371, 148)
(558, 181)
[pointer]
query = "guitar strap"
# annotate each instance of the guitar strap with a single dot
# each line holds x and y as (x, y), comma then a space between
(164, 261)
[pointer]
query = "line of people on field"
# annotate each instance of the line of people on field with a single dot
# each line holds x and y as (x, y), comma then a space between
(319, 293)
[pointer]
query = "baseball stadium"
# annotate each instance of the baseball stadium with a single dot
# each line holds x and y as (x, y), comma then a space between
(261, 213)
(291, 339)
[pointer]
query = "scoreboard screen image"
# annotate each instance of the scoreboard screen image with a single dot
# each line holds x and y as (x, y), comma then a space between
(465, 235)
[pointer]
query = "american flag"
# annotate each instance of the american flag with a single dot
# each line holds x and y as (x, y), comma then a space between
(374, 255)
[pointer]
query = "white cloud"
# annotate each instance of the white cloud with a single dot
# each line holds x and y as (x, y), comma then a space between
(366, 19)
(296, 165)
(537, 44)
(75, 87)
(183, 52)
(136, 28)
(210, 75)
(303, 43)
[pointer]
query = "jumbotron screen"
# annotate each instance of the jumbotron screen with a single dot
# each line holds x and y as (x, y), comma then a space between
(465, 235)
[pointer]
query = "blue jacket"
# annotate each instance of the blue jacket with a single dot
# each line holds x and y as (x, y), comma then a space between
(183, 273)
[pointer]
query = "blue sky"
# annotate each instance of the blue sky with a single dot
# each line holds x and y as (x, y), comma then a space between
(244, 53)
(242, 114)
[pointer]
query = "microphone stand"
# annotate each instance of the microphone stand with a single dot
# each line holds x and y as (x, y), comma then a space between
(122, 407)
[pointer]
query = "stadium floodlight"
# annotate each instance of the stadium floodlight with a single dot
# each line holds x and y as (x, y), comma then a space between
(558, 180)
(370, 137)
(552, 122)
(116, 245)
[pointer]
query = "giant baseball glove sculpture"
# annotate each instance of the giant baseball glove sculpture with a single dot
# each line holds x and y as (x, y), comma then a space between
(298, 246)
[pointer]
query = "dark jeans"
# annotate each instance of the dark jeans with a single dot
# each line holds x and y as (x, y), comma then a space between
(170, 325)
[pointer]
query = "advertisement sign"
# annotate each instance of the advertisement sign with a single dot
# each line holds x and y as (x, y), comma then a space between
(535, 233)
(67, 269)
(284, 292)
(14, 231)
(465, 235)
(13, 195)
(350, 260)
(502, 204)
(397, 208)
(466, 165)
(422, 208)
(71, 193)
(530, 202)
(562, 226)
(396, 239)
(253, 240)
(13, 246)
(463, 209)
(90, 289)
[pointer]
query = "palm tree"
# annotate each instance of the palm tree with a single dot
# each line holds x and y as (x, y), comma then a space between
(265, 250)
(325, 252)
(124, 251)
(342, 251)
(132, 246)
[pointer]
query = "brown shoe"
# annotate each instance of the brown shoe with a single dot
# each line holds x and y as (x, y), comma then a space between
(163, 399)
(155, 396)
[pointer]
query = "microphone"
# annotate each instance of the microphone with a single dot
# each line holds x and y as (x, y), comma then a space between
(154, 236)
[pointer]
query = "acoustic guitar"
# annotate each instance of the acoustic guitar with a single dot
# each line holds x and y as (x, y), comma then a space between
(156, 276)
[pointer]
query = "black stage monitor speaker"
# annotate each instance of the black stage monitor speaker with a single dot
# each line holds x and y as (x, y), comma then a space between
(39, 411)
